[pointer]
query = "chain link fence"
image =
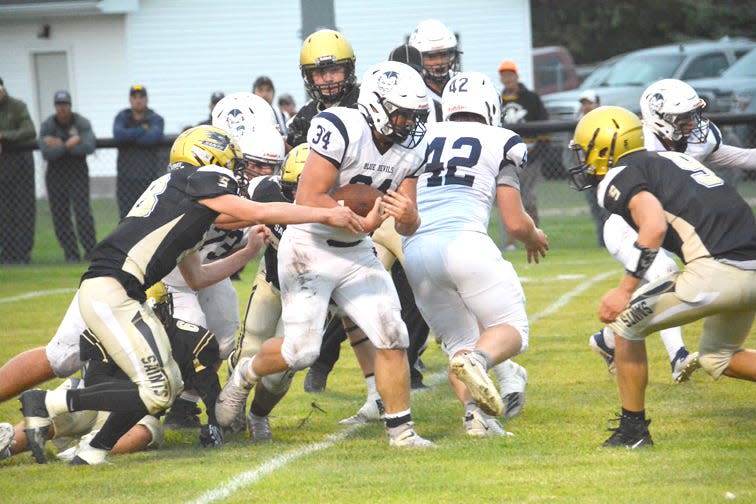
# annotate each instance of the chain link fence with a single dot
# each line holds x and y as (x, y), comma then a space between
(43, 220)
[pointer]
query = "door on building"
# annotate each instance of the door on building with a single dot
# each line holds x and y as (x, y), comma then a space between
(50, 75)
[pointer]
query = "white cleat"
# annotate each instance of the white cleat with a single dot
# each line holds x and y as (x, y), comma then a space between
(478, 424)
(408, 438)
(473, 374)
(684, 368)
(371, 412)
(233, 397)
(7, 431)
(512, 389)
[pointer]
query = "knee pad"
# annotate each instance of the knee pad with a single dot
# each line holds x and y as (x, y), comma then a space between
(63, 356)
(715, 363)
(299, 357)
(278, 383)
(153, 425)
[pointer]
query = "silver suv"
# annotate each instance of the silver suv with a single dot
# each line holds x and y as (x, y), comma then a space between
(622, 79)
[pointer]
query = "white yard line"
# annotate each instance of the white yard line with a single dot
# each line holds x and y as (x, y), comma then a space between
(35, 294)
(251, 477)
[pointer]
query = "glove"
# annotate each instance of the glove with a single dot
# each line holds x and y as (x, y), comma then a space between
(211, 436)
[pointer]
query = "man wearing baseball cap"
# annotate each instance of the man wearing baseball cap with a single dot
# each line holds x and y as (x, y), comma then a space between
(17, 201)
(65, 140)
(214, 99)
(137, 131)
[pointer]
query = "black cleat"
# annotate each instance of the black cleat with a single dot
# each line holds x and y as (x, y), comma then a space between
(315, 381)
(631, 433)
(78, 461)
(36, 422)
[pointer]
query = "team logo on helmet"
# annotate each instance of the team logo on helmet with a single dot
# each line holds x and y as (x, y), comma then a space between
(386, 81)
(656, 103)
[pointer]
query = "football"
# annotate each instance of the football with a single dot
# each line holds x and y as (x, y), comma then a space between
(359, 197)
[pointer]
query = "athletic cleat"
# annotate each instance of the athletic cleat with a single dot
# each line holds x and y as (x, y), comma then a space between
(512, 389)
(233, 397)
(631, 434)
(408, 438)
(86, 454)
(259, 428)
(473, 374)
(684, 365)
(478, 424)
(598, 345)
(6, 440)
(370, 412)
(183, 414)
(315, 381)
(36, 422)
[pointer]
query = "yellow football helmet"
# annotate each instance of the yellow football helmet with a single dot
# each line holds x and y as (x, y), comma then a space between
(602, 137)
(323, 49)
(292, 169)
(161, 301)
(207, 145)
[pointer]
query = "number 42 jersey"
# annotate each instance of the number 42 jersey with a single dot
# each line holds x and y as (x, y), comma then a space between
(464, 163)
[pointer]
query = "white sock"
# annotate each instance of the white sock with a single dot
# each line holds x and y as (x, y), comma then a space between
(55, 402)
(672, 339)
(372, 391)
(247, 371)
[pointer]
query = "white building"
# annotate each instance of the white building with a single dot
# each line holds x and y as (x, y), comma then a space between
(182, 51)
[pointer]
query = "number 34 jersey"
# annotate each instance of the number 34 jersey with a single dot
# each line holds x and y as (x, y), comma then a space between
(464, 163)
(343, 136)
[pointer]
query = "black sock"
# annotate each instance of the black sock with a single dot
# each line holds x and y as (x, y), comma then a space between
(116, 395)
(634, 415)
(114, 427)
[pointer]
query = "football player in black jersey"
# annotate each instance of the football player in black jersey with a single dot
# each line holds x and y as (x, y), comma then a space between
(165, 227)
(675, 202)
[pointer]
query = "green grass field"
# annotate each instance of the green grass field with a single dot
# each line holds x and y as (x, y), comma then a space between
(705, 431)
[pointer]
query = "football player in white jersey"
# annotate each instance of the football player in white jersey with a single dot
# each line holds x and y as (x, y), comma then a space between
(438, 46)
(215, 306)
(456, 271)
(378, 144)
(672, 119)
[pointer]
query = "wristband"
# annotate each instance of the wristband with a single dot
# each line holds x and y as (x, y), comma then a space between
(641, 259)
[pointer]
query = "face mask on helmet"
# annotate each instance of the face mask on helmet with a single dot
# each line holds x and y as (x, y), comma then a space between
(602, 137)
(394, 101)
(327, 65)
(161, 302)
(673, 110)
(471, 92)
(262, 152)
(242, 113)
(292, 169)
(438, 46)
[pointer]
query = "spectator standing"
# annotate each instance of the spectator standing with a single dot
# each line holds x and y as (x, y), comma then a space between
(287, 106)
(65, 139)
(263, 87)
(17, 203)
(519, 105)
(589, 100)
(137, 131)
(214, 99)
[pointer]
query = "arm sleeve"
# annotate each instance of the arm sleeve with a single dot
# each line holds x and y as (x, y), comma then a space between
(154, 133)
(23, 127)
(49, 153)
(88, 141)
(735, 157)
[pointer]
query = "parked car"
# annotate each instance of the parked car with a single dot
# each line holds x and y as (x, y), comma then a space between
(734, 91)
(622, 79)
(553, 70)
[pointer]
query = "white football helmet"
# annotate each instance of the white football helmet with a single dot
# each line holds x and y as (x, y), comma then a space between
(390, 93)
(472, 92)
(264, 147)
(241, 113)
(430, 37)
(673, 109)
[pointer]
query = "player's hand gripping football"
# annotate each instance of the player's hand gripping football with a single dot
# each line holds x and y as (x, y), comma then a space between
(344, 217)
